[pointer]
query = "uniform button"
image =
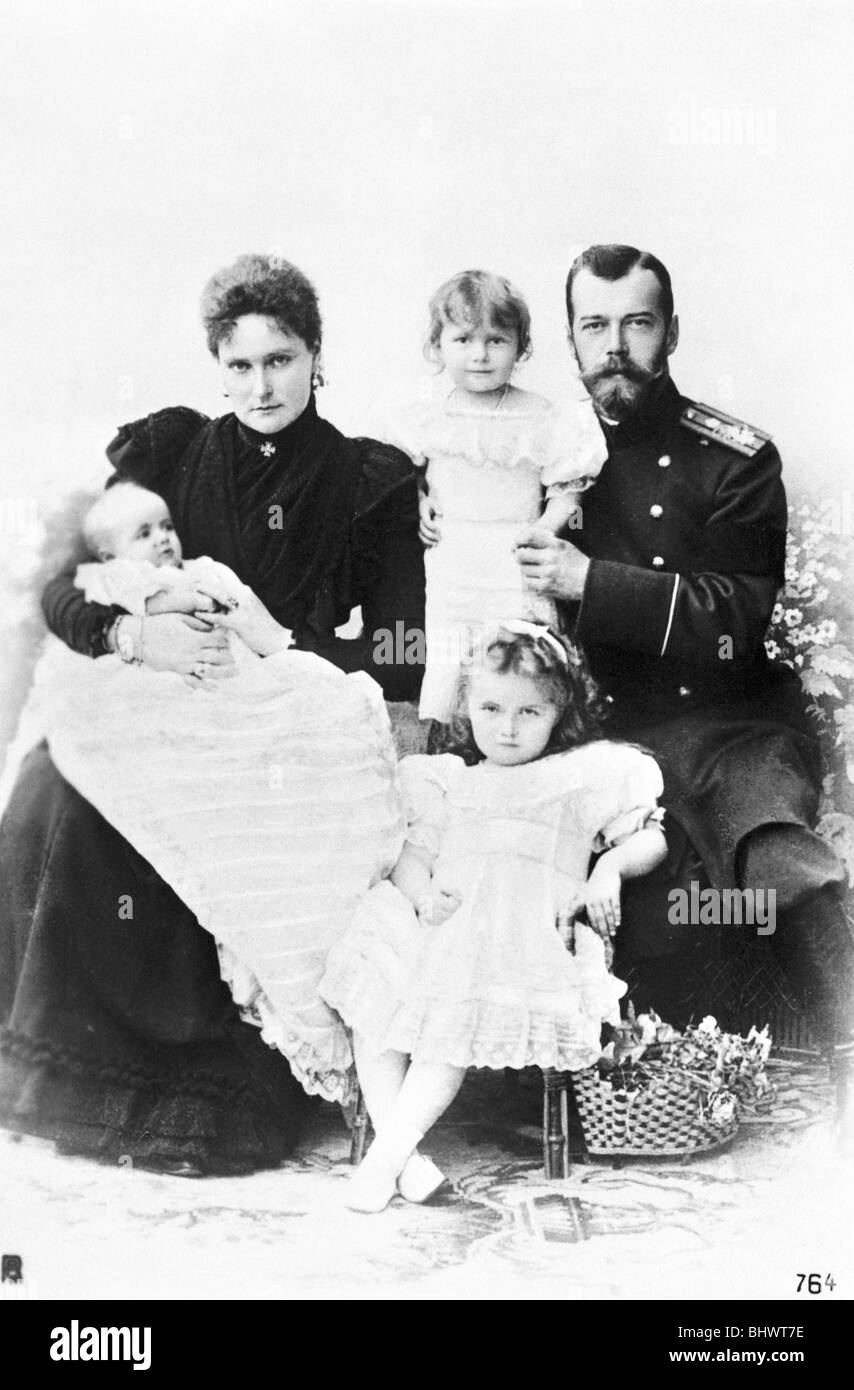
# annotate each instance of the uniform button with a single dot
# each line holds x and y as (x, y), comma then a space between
(657, 561)
(656, 510)
(664, 461)
(705, 443)
(684, 690)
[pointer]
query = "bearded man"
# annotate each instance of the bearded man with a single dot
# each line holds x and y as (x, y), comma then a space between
(669, 585)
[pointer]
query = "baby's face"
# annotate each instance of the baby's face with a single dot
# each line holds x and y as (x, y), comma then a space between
(145, 531)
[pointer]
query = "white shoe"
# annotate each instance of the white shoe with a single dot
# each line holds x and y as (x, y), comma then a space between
(369, 1191)
(419, 1179)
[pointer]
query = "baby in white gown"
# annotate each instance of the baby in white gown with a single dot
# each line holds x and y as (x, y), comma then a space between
(495, 459)
(456, 960)
(267, 801)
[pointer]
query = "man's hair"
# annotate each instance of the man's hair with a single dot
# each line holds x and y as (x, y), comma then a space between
(612, 262)
(265, 285)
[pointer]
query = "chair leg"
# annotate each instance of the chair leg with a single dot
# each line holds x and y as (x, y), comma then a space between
(555, 1124)
(359, 1137)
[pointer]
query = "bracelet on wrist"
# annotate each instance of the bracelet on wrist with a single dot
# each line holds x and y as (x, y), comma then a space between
(124, 643)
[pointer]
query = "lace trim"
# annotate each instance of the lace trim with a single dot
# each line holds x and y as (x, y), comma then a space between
(205, 1085)
(331, 1076)
(563, 446)
(479, 1033)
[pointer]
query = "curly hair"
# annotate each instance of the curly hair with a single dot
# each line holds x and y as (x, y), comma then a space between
(477, 297)
(265, 285)
(567, 683)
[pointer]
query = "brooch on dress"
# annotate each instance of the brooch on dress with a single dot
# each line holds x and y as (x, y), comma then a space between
(267, 449)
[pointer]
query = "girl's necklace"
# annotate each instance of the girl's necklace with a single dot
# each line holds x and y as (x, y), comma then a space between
(495, 409)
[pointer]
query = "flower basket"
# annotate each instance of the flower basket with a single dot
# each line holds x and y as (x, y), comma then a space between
(667, 1116)
(656, 1091)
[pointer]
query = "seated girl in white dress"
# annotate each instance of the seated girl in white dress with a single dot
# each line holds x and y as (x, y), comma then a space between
(268, 801)
(495, 459)
(456, 960)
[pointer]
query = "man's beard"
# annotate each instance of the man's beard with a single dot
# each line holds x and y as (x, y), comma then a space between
(619, 392)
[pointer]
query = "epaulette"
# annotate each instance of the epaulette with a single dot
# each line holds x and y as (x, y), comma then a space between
(710, 423)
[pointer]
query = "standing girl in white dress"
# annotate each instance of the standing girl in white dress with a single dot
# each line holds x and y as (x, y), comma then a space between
(456, 961)
(495, 459)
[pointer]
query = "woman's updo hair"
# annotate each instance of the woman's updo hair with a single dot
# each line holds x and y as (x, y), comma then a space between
(559, 670)
(476, 297)
(265, 285)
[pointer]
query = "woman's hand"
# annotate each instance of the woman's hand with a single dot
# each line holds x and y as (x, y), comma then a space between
(180, 643)
(602, 897)
(429, 511)
(244, 613)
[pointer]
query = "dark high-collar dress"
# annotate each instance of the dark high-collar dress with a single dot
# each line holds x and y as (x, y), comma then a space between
(118, 1035)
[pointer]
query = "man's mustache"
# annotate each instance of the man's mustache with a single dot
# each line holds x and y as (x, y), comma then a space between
(626, 369)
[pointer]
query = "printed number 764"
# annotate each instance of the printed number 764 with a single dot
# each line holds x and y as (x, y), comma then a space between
(816, 1282)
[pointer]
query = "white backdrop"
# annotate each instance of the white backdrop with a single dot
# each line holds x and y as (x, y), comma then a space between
(384, 146)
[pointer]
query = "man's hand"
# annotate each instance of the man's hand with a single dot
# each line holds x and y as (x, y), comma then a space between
(429, 512)
(180, 643)
(551, 566)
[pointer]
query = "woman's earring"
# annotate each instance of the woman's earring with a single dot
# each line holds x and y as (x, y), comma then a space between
(317, 379)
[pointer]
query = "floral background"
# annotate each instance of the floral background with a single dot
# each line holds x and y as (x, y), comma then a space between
(812, 629)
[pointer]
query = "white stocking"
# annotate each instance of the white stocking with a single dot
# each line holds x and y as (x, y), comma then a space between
(426, 1093)
(380, 1078)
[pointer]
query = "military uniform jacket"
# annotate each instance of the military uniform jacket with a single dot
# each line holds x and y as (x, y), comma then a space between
(685, 529)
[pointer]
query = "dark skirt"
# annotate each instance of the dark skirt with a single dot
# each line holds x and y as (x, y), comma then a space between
(117, 1036)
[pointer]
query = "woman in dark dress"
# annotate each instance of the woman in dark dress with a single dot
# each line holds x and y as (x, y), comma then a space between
(118, 1035)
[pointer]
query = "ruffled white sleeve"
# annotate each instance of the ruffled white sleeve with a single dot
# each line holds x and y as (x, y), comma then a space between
(424, 790)
(635, 799)
(224, 581)
(573, 449)
(125, 583)
(406, 427)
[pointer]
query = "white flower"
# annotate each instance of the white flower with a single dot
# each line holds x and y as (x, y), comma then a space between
(722, 1109)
